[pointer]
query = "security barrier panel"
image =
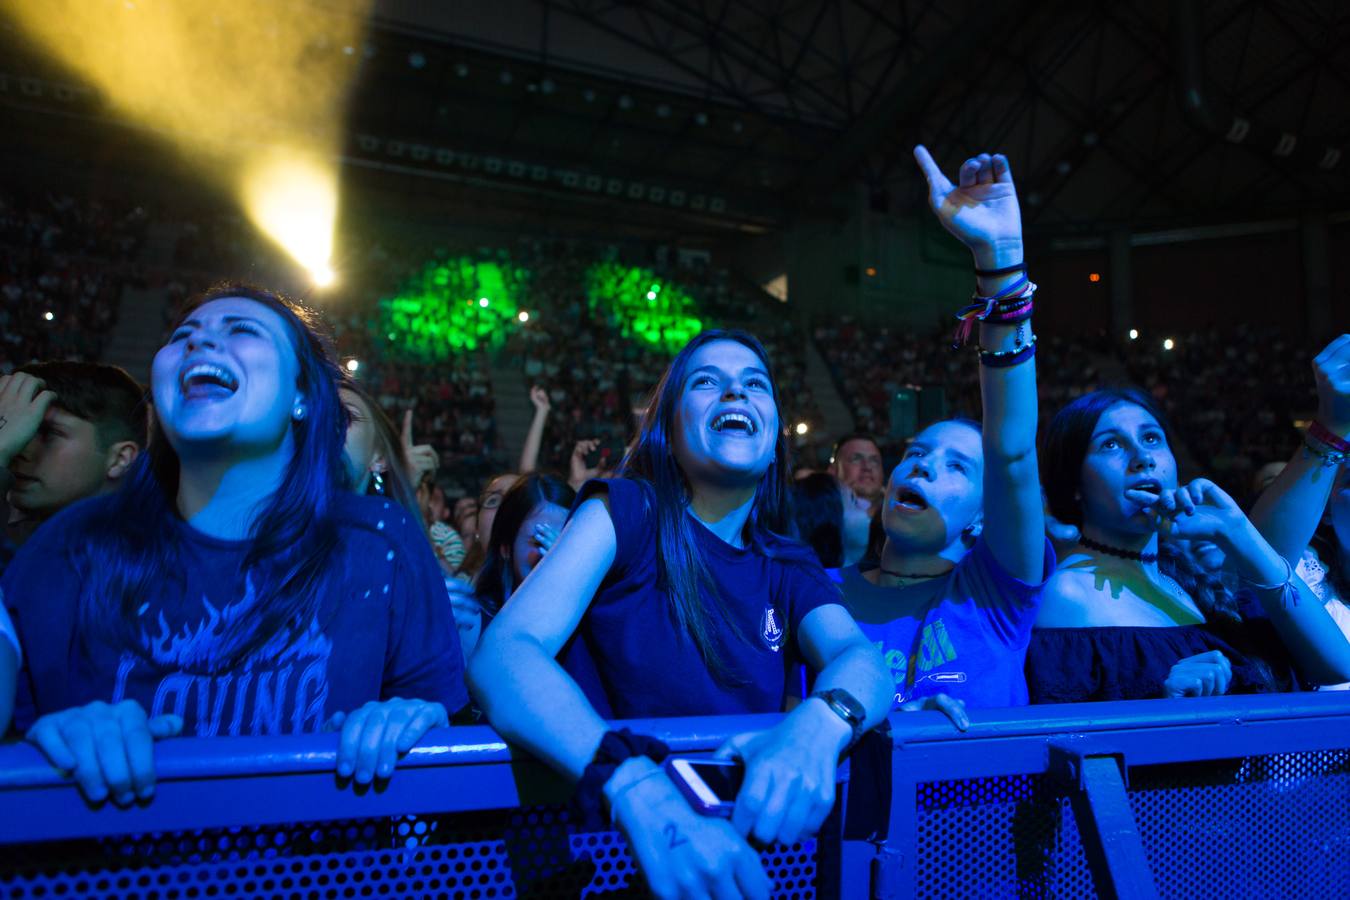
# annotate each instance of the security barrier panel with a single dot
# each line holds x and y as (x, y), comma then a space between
(1218, 797)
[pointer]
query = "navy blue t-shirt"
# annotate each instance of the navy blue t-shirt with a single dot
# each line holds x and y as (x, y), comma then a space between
(383, 630)
(632, 659)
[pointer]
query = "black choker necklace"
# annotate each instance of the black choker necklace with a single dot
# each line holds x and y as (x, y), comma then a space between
(1146, 558)
(885, 571)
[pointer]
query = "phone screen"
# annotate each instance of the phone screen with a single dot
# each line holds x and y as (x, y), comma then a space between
(723, 780)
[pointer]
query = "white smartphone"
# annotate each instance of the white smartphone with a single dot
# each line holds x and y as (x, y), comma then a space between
(710, 785)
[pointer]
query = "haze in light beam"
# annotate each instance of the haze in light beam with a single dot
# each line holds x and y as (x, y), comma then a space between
(251, 91)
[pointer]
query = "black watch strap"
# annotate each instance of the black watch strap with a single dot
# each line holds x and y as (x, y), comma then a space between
(846, 707)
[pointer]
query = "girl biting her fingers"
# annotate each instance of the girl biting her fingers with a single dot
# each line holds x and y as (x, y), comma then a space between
(1128, 615)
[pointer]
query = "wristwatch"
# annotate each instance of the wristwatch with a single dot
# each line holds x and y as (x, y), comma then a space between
(846, 707)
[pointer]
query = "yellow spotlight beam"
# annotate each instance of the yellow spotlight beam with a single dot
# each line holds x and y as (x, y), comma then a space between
(251, 91)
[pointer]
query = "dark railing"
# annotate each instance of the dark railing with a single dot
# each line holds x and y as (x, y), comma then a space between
(1220, 797)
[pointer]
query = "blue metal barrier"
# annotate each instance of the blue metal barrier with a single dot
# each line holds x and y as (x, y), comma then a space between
(1221, 797)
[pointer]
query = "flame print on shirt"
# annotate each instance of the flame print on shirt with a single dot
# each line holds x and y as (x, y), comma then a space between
(282, 688)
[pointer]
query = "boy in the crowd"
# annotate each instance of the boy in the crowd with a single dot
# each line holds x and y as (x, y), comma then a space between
(68, 430)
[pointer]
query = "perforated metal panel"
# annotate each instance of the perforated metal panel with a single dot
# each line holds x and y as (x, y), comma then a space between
(998, 837)
(1270, 826)
(536, 853)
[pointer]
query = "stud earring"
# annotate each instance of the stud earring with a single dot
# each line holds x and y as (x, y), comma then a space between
(298, 413)
(377, 483)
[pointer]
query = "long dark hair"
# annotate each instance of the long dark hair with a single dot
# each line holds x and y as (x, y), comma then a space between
(130, 549)
(818, 514)
(397, 486)
(1066, 446)
(493, 584)
(681, 572)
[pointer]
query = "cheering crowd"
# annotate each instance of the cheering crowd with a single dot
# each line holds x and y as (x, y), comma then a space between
(254, 546)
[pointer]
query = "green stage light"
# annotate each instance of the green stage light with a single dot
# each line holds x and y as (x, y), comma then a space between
(642, 307)
(452, 305)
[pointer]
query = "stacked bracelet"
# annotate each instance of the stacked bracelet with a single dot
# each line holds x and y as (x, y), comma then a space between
(616, 747)
(1322, 442)
(1002, 359)
(1008, 307)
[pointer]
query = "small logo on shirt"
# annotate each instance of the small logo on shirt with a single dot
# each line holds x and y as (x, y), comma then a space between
(772, 633)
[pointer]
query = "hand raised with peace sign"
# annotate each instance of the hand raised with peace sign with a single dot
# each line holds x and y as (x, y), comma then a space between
(980, 210)
(422, 458)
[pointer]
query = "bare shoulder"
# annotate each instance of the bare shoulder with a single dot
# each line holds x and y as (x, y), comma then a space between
(1067, 600)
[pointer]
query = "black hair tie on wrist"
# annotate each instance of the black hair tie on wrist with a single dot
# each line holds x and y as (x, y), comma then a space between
(1006, 270)
(616, 748)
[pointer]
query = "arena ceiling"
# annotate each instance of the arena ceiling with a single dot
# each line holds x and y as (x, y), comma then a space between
(1126, 112)
(710, 115)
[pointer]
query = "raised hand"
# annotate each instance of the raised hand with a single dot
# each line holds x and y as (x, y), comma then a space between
(539, 398)
(1203, 675)
(681, 853)
(1331, 370)
(980, 210)
(108, 749)
(422, 458)
(578, 472)
(377, 734)
(24, 401)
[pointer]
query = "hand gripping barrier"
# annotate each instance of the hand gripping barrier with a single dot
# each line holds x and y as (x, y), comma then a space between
(1219, 797)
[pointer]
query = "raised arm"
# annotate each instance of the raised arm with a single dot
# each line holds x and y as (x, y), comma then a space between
(1201, 511)
(981, 211)
(1288, 511)
(534, 438)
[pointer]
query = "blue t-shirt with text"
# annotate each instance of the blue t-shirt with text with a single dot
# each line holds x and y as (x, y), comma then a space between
(632, 659)
(383, 629)
(964, 634)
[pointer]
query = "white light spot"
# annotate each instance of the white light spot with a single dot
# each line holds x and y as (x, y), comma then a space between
(380, 524)
(484, 302)
(1134, 334)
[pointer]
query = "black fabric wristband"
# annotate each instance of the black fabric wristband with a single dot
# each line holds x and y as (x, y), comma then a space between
(616, 748)
(1006, 270)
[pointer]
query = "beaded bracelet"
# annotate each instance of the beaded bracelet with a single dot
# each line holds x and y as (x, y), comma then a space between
(1002, 359)
(1011, 314)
